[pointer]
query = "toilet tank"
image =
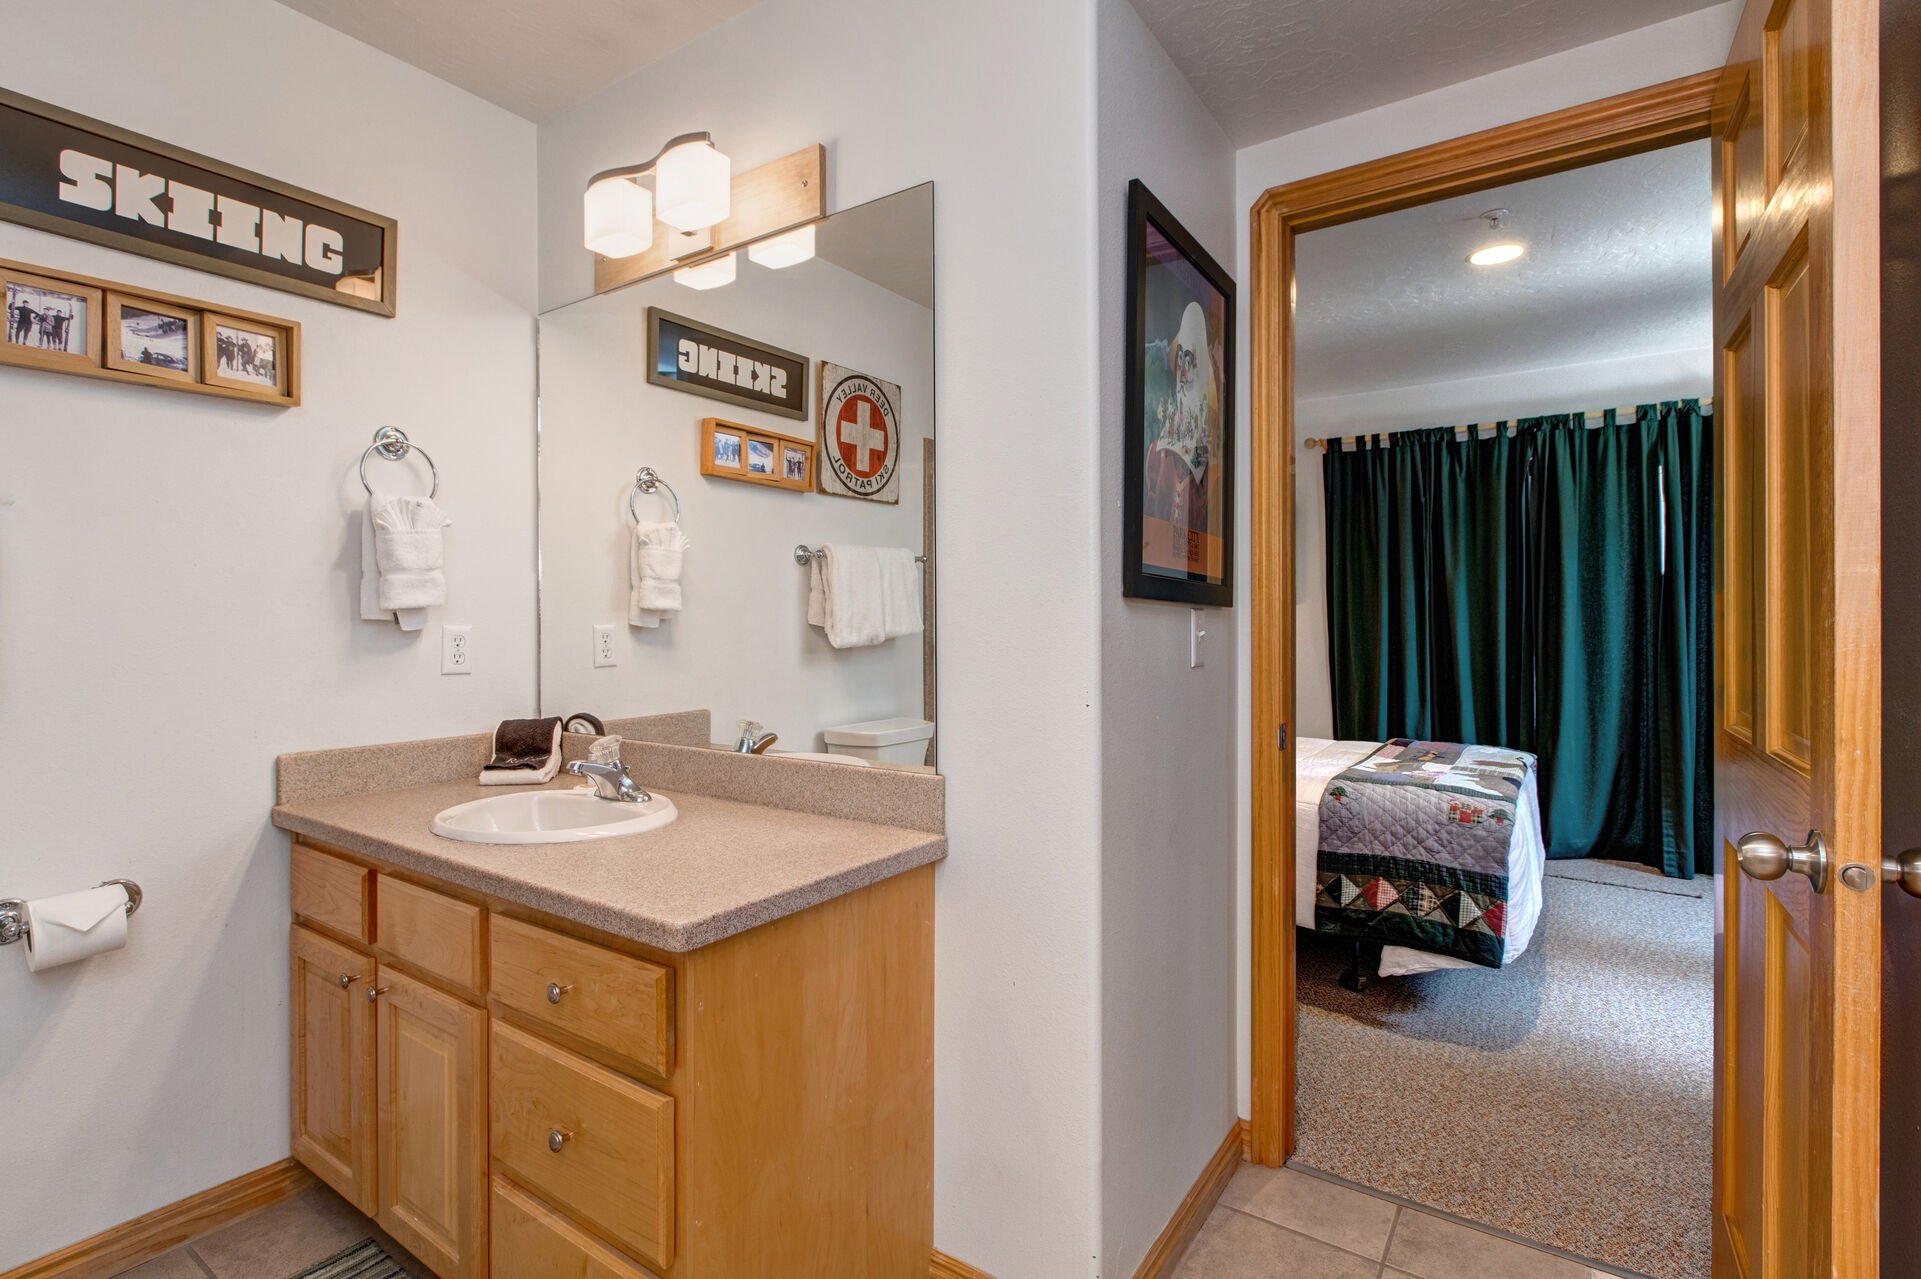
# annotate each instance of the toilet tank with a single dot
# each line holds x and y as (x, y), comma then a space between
(883, 741)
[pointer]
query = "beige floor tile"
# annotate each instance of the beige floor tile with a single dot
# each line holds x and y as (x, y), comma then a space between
(1431, 1247)
(284, 1239)
(1233, 1245)
(178, 1264)
(1336, 1214)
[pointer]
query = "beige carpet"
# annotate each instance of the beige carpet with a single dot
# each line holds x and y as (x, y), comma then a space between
(1567, 1099)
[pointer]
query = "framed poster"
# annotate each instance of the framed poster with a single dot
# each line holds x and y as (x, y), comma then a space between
(77, 177)
(860, 435)
(1177, 523)
(702, 360)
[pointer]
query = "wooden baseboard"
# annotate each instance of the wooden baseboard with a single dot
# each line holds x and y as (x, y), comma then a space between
(941, 1266)
(150, 1234)
(1192, 1213)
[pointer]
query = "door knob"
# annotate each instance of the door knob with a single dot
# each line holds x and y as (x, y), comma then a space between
(1762, 856)
(1905, 870)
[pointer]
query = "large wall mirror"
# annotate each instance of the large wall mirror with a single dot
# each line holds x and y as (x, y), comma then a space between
(752, 484)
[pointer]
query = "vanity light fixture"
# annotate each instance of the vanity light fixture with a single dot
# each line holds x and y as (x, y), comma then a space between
(693, 186)
(710, 274)
(1499, 253)
(790, 248)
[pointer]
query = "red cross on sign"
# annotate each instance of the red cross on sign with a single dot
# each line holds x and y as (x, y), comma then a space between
(860, 434)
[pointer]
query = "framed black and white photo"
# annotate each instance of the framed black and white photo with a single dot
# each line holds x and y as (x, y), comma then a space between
(246, 355)
(697, 358)
(89, 180)
(1177, 516)
(50, 323)
(154, 339)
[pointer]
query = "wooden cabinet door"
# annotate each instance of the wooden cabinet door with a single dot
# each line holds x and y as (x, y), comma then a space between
(1797, 619)
(432, 1090)
(333, 1065)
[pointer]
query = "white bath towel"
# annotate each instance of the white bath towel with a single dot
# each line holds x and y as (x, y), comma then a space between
(402, 558)
(862, 595)
(653, 573)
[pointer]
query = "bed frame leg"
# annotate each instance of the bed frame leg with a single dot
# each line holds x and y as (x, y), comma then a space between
(1364, 966)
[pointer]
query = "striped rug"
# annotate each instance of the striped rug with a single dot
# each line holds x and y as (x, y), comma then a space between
(365, 1260)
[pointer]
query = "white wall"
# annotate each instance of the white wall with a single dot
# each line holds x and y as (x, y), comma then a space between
(176, 585)
(991, 100)
(1167, 732)
(1651, 55)
(741, 646)
(1568, 388)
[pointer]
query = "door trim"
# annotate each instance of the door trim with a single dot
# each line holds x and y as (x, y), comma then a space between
(1626, 124)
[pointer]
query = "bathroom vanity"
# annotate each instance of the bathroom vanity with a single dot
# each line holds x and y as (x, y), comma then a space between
(703, 1052)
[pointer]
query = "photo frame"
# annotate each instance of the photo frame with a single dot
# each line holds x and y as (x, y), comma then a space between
(249, 355)
(732, 451)
(1177, 525)
(50, 322)
(151, 338)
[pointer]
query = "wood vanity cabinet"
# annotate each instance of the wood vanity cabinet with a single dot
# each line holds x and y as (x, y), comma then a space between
(524, 1097)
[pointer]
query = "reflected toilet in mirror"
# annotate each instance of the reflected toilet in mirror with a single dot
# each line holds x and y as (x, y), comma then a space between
(737, 494)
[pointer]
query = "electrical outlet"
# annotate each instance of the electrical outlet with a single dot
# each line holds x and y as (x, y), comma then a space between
(603, 645)
(456, 650)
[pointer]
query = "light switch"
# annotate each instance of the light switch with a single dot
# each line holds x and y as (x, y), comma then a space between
(1196, 632)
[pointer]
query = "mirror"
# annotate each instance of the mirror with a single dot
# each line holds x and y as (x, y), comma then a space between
(702, 386)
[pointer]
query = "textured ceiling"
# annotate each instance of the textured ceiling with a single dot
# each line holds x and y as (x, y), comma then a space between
(1270, 67)
(1617, 265)
(533, 59)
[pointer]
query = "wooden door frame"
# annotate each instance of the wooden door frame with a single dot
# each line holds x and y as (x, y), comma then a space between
(1627, 124)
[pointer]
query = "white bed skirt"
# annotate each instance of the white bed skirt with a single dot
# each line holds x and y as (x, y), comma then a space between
(1318, 761)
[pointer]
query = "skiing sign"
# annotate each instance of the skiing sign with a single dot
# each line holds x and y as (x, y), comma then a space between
(860, 440)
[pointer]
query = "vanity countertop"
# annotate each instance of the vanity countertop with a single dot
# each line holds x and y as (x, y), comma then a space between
(721, 868)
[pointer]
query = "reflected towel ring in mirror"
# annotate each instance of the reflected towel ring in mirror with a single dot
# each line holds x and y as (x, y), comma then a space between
(647, 480)
(392, 443)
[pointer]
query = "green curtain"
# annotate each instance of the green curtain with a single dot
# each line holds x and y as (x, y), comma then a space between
(1547, 590)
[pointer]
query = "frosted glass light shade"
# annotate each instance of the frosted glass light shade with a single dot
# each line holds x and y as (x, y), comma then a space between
(693, 186)
(708, 275)
(619, 217)
(1496, 254)
(791, 249)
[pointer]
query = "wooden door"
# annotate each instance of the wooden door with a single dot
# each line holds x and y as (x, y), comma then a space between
(1798, 644)
(432, 1053)
(333, 1065)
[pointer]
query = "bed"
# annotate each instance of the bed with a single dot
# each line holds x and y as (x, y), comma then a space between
(1318, 761)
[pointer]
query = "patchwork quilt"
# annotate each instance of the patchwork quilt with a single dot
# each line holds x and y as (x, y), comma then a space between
(1415, 848)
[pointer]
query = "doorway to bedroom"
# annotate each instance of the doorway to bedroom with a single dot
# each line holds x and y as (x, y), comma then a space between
(1503, 694)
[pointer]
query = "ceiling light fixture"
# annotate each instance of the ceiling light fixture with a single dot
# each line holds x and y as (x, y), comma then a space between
(1498, 253)
(693, 186)
(790, 248)
(710, 274)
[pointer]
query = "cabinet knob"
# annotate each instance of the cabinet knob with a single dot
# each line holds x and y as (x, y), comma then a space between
(348, 979)
(555, 990)
(558, 1138)
(375, 992)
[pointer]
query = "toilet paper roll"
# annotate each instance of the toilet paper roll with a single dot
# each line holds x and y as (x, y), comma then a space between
(73, 926)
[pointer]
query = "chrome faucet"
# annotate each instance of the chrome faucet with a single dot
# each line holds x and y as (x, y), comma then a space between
(753, 739)
(611, 781)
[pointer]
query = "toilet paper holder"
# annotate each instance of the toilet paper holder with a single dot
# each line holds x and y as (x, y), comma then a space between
(13, 919)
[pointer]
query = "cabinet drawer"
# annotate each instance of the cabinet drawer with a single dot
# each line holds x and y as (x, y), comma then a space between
(614, 1168)
(529, 1238)
(433, 933)
(586, 992)
(333, 892)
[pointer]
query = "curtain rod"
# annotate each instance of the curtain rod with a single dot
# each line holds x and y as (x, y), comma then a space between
(1461, 432)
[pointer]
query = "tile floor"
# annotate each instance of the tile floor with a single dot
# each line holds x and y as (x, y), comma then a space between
(274, 1243)
(1281, 1223)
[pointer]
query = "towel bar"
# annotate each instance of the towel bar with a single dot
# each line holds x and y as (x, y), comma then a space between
(392, 443)
(13, 922)
(805, 554)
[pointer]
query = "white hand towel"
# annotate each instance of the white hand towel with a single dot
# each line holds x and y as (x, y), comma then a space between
(864, 595)
(653, 573)
(402, 551)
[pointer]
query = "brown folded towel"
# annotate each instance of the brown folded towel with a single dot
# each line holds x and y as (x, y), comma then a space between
(526, 752)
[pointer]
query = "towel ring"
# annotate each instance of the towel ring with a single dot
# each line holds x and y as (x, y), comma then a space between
(392, 443)
(647, 480)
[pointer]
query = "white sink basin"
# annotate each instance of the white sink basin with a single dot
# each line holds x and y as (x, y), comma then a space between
(550, 817)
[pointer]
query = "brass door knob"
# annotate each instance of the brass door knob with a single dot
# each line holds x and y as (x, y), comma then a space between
(1765, 857)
